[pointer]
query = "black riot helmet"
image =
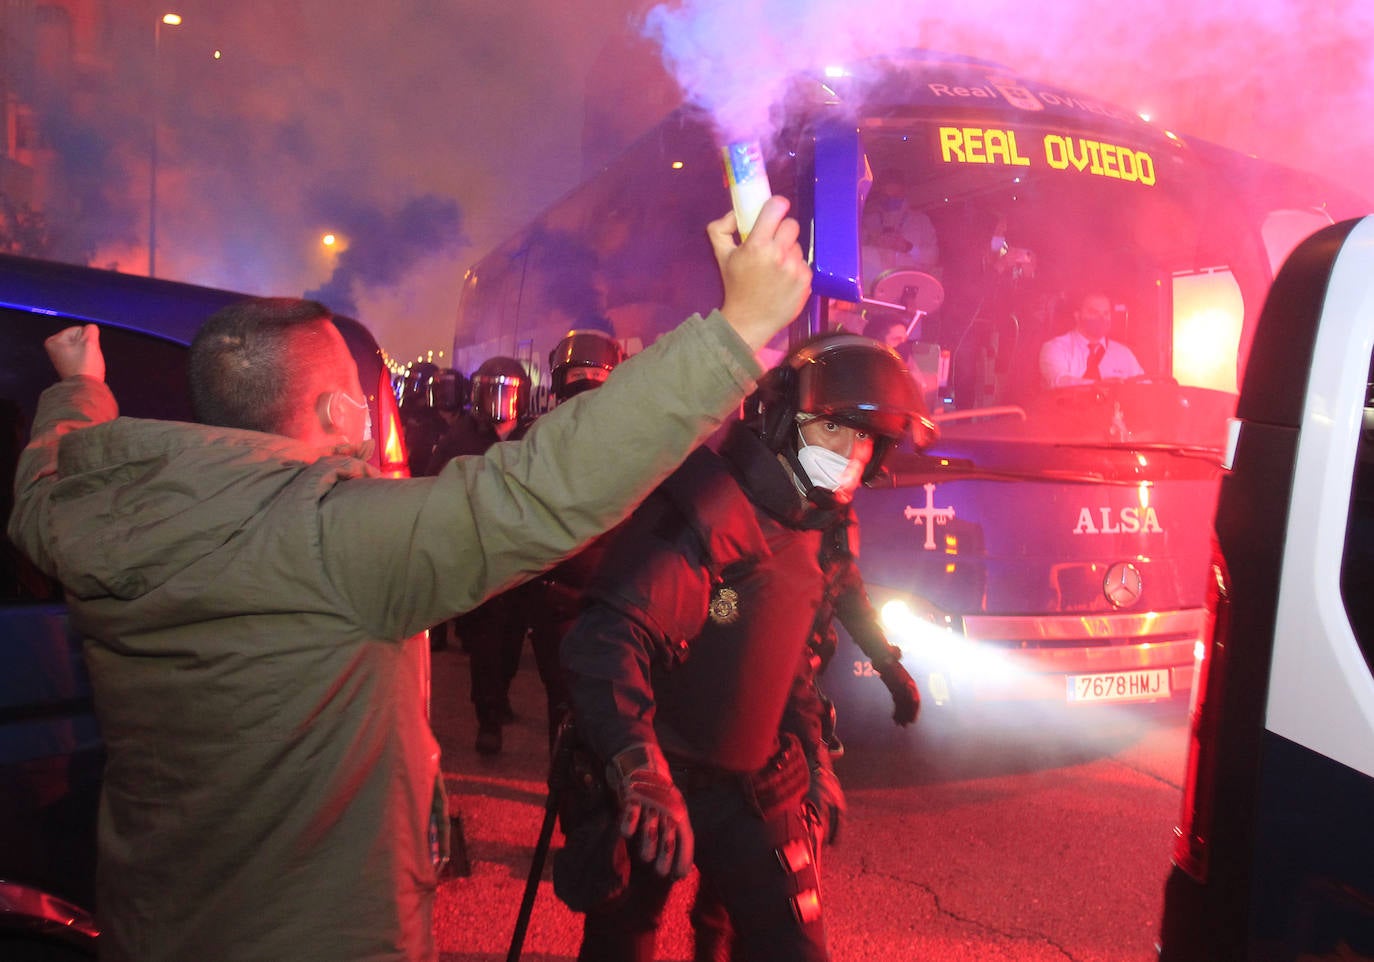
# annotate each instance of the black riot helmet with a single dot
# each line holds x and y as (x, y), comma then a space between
(419, 384)
(500, 390)
(448, 390)
(846, 377)
(583, 359)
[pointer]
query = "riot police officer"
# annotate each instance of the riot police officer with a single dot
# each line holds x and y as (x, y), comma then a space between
(422, 424)
(499, 410)
(581, 360)
(493, 633)
(432, 400)
(689, 670)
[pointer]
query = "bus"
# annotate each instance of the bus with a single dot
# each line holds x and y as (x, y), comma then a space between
(1051, 545)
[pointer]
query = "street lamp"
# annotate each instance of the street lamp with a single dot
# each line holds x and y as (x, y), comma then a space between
(171, 20)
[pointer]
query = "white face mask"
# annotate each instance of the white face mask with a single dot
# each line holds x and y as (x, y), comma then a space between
(367, 414)
(367, 446)
(829, 469)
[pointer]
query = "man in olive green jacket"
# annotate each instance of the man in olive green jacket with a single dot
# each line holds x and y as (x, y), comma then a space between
(251, 603)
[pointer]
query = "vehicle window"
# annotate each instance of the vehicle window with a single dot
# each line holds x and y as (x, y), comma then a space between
(1208, 315)
(1357, 564)
(146, 373)
(990, 238)
(1284, 230)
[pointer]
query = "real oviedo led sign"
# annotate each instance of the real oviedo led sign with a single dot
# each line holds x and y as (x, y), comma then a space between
(1073, 153)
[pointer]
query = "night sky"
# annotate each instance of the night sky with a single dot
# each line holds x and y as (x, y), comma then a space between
(425, 132)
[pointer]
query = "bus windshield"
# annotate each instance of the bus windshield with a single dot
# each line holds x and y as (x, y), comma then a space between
(997, 256)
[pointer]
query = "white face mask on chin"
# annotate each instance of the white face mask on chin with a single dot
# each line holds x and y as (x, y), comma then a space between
(829, 469)
(367, 446)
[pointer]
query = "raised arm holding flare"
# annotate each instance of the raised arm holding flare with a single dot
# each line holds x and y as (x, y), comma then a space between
(250, 595)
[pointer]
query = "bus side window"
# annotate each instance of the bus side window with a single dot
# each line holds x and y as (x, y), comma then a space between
(1357, 563)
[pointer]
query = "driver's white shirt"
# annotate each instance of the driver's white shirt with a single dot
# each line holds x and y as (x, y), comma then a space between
(1063, 360)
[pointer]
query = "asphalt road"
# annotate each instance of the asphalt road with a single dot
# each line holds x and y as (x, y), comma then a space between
(1030, 835)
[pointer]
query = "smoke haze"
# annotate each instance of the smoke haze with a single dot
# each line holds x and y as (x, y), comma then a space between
(1289, 80)
(424, 133)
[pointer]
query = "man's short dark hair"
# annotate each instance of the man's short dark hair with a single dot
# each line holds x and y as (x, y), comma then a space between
(245, 368)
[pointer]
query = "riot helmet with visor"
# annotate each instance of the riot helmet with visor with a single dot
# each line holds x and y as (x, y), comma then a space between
(448, 391)
(583, 359)
(848, 378)
(500, 390)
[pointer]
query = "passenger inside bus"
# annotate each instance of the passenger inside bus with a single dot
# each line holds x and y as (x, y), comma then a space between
(895, 331)
(1087, 354)
(896, 235)
(889, 330)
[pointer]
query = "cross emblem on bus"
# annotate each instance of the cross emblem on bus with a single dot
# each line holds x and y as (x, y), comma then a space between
(929, 516)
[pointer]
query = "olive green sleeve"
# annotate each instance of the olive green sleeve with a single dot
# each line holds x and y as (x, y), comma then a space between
(73, 403)
(410, 554)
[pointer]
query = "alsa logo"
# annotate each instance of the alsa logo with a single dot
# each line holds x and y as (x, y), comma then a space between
(1124, 521)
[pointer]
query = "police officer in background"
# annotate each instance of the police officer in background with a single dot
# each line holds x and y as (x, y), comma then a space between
(448, 395)
(421, 422)
(493, 633)
(582, 360)
(689, 669)
(499, 410)
(432, 403)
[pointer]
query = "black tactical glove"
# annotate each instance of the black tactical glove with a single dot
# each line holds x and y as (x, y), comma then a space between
(825, 798)
(652, 809)
(906, 700)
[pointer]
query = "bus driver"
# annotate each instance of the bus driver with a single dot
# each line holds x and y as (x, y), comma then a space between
(1086, 354)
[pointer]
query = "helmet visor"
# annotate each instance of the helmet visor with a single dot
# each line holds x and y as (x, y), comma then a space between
(586, 349)
(868, 389)
(498, 397)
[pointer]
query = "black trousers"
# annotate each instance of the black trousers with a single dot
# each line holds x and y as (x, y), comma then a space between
(761, 871)
(494, 635)
(548, 622)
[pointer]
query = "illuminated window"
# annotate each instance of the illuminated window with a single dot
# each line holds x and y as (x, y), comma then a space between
(1208, 315)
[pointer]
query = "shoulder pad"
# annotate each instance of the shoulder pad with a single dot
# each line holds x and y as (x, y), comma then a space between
(717, 510)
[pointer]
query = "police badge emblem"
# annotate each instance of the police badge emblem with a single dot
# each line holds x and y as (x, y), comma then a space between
(724, 606)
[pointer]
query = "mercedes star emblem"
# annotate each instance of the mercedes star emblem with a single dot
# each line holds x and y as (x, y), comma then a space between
(1122, 585)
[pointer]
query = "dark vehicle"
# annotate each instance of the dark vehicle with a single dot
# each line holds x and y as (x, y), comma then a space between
(50, 748)
(1052, 544)
(1274, 855)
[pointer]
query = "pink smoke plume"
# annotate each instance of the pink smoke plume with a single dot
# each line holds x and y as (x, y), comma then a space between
(1289, 80)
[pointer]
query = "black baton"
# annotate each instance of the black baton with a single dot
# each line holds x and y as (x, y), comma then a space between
(562, 755)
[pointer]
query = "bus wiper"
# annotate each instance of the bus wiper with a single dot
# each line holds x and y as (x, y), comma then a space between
(1205, 452)
(928, 469)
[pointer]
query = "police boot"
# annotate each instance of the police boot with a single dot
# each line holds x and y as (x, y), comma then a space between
(488, 732)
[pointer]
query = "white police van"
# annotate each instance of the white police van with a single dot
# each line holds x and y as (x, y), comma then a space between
(51, 754)
(1274, 856)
